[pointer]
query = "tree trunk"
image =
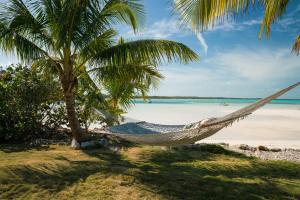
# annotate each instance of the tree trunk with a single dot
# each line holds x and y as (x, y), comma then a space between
(68, 90)
(68, 82)
(73, 119)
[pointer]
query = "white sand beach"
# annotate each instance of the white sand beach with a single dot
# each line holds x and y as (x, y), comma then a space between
(274, 125)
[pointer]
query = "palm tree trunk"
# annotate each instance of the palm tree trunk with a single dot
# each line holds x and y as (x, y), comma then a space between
(68, 90)
(72, 118)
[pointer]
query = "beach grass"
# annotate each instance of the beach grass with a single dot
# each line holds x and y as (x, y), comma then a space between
(143, 172)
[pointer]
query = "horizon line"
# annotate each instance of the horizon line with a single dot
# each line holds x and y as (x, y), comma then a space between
(198, 97)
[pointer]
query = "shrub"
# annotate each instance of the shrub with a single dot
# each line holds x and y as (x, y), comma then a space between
(29, 104)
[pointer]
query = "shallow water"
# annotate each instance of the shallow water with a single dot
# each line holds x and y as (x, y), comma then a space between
(213, 101)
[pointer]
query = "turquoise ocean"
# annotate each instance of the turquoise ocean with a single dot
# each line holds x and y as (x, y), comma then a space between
(212, 100)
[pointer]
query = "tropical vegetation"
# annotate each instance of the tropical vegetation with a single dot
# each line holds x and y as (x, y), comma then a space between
(76, 42)
(29, 105)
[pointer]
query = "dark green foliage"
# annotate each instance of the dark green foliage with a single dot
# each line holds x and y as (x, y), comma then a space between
(31, 103)
(28, 104)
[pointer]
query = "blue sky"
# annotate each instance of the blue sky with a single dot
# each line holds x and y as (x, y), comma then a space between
(234, 62)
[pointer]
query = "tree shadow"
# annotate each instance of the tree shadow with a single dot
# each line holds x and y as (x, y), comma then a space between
(178, 173)
(10, 148)
(196, 174)
(56, 177)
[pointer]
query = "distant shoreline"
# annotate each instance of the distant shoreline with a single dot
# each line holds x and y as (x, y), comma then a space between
(196, 97)
(214, 100)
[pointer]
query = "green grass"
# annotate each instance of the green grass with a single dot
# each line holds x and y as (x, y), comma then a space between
(58, 172)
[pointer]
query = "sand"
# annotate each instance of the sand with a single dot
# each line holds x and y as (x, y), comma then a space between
(274, 125)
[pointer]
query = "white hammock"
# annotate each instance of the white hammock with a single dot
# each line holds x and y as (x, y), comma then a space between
(157, 134)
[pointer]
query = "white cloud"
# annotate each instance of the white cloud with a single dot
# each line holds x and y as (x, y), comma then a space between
(287, 25)
(202, 41)
(165, 29)
(240, 72)
(258, 64)
(161, 29)
(252, 22)
(231, 25)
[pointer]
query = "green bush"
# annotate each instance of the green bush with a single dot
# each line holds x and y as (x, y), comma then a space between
(32, 106)
(29, 104)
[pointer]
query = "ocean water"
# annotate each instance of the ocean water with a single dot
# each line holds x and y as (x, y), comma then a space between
(213, 101)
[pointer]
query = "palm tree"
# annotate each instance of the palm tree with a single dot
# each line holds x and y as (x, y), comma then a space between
(202, 14)
(73, 37)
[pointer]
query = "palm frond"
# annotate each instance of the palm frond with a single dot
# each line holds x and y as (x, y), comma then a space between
(12, 42)
(101, 15)
(121, 95)
(97, 44)
(273, 11)
(203, 14)
(200, 15)
(153, 52)
(128, 11)
(134, 72)
(125, 82)
(296, 46)
(22, 33)
(49, 66)
(52, 11)
(20, 19)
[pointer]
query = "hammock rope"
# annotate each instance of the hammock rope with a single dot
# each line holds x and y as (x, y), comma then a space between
(169, 135)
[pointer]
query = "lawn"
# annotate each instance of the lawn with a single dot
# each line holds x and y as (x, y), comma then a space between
(143, 172)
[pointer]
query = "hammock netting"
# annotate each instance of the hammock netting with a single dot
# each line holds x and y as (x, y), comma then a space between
(168, 135)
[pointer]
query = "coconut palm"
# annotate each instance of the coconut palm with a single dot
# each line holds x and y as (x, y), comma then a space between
(72, 37)
(203, 14)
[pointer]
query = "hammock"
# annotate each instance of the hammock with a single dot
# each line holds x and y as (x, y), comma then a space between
(168, 135)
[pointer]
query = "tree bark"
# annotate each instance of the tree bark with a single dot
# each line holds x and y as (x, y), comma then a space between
(74, 124)
(68, 83)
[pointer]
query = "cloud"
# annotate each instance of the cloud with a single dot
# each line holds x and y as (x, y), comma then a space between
(258, 64)
(252, 22)
(287, 25)
(231, 25)
(202, 41)
(166, 29)
(161, 29)
(240, 72)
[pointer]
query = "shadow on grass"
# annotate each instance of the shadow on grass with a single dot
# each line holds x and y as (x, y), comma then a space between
(10, 148)
(56, 176)
(207, 172)
(200, 174)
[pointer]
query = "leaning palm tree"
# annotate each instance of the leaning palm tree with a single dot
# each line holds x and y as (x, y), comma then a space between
(203, 14)
(73, 37)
